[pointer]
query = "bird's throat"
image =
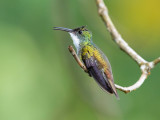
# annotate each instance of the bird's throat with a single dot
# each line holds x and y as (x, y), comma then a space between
(76, 41)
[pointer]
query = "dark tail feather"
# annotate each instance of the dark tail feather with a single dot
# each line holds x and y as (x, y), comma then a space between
(117, 96)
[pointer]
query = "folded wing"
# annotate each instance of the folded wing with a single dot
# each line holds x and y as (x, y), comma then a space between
(100, 72)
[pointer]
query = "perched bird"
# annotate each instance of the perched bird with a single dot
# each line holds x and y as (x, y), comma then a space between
(93, 58)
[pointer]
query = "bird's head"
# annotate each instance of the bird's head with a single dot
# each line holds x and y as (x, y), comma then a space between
(80, 36)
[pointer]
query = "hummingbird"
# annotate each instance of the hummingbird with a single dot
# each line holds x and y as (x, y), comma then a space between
(94, 59)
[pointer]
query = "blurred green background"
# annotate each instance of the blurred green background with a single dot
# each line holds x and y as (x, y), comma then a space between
(39, 79)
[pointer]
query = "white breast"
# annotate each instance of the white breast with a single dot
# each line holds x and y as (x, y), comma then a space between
(76, 40)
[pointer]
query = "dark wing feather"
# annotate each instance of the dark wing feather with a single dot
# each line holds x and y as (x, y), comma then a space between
(96, 73)
(108, 73)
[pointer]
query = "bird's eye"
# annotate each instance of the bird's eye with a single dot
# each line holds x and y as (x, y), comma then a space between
(80, 32)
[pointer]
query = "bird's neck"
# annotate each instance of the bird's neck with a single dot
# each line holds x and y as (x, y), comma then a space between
(85, 43)
(79, 43)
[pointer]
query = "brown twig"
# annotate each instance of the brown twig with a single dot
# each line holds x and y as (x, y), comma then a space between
(156, 61)
(145, 66)
(72, 51)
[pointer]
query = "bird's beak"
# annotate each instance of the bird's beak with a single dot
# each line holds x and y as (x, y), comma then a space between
(63, 29)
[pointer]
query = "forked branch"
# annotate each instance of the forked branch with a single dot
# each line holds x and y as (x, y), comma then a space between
(145, 66)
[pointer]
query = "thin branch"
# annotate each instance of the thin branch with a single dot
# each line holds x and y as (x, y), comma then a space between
(145, 66)
(72, 51)
(156, 61)
(103, 12)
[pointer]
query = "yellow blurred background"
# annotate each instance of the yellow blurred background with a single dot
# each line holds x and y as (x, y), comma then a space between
(40, 80)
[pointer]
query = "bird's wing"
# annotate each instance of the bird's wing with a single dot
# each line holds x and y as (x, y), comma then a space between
(100, 69)
(108, 72)
(96, 73)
